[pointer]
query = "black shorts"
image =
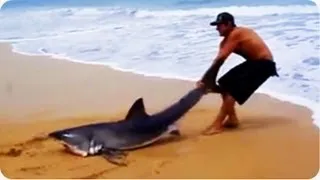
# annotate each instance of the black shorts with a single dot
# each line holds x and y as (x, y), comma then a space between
(244, 79)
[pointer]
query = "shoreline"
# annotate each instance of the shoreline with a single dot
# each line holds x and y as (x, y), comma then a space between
(39, 94)
(303, 102)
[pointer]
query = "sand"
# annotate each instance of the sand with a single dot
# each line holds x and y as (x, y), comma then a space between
(40, 94)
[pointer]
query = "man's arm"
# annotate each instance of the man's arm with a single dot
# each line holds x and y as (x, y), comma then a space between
(226, 48)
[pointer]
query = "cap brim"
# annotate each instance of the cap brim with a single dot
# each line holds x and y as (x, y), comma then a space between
(214, 23)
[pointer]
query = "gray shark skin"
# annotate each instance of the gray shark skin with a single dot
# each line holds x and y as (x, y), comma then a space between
(137, 129)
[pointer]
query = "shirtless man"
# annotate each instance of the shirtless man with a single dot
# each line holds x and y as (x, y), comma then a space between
(240, 82)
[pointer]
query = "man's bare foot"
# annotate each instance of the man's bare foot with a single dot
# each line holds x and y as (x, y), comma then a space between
(231, 123)
(212, 130)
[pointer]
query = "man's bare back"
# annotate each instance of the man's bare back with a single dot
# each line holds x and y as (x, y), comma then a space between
(249, 44)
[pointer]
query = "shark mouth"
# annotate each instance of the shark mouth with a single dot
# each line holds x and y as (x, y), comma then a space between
(74, 150)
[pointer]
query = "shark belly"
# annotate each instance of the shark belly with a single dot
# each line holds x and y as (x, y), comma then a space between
(142, 140)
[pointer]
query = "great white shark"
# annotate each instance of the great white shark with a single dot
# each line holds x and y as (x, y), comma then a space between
(136, 130)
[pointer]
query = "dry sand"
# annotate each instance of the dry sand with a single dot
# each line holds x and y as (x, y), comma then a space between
(39, 94)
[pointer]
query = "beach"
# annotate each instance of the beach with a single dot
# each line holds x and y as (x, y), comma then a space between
(40, 94)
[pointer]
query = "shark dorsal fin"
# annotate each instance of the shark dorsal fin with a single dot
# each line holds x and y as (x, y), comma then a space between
(137, 110)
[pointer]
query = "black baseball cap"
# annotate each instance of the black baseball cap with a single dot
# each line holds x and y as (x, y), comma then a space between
(222, 18)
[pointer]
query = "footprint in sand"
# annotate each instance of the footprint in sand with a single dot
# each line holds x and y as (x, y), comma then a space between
(12, 152)
(100, 173)
(26, 146)
(159, 164)
(38, 170)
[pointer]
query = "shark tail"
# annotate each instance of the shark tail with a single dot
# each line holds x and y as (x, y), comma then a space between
(181, 107)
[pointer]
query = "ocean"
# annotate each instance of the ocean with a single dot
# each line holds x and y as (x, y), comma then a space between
(171, 38)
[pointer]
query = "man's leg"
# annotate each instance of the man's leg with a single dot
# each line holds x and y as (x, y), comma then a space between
(227, 108)
(232, 119)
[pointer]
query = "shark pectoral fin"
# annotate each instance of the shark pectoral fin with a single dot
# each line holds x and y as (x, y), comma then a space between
(117, 157)
(175, 133)
(174, 130)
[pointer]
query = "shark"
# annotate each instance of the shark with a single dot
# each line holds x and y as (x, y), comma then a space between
(113, 139)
